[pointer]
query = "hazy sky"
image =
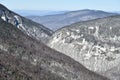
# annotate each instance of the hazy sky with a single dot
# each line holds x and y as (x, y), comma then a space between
(106, 5)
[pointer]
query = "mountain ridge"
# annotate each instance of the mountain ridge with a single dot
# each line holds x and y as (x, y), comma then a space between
(57, 21)
(94, 43)
(29, 27)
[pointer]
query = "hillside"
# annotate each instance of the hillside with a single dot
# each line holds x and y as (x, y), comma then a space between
(24, 58)
(95, 44)
(57, 21)
(29, 27)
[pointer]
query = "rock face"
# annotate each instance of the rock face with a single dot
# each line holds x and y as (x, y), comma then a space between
(55, 22)
(95, 43)
(29, 27)
(24, 58)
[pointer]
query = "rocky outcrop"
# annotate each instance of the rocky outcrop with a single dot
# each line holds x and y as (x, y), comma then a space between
(29, 27)
(95, 43)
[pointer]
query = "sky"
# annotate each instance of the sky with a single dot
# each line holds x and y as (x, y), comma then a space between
(58, 5)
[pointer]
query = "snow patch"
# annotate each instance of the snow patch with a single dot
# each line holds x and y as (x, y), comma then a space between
(101, 48)
(35, 60)
(68, 33)
(90, 27)
(3, 17)
(75, 36)
(112, 49)
(3, 48)
(34, 29)
(87, 56)
(110, 28)
(97, 31)
(77, 31)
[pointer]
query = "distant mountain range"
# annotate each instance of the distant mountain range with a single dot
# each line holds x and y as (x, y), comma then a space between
(29, 27)
(94, 43)
(38, 12)
(57, 21)
(117, 12)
